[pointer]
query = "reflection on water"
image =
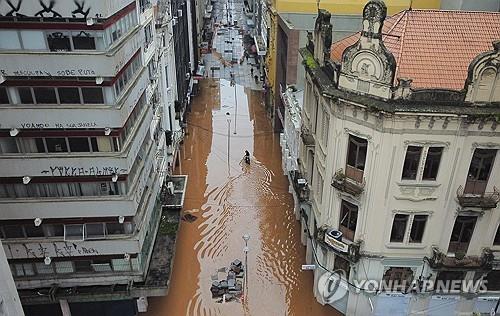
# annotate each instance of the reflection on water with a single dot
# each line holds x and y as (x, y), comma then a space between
(230, 199)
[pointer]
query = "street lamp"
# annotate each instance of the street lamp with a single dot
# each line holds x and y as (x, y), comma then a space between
(246, 237)
(228, 116)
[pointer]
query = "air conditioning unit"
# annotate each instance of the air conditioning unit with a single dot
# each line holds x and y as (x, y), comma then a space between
(174, 21)
(179, 13)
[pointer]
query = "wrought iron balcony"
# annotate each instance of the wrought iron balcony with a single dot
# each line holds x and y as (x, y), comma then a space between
(484, 200)
(307, 136)
(441, 261)
(346, 184)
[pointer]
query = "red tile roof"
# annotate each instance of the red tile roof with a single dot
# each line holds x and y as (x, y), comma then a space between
(432, 47)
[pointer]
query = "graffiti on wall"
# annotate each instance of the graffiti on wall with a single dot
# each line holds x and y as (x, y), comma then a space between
(45, 8)
(54, 249)
(68, 171)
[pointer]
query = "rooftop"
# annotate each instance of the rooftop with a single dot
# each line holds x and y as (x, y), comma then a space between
(433, 47)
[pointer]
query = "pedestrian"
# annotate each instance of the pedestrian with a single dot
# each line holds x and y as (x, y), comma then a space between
(251, 71)
(256, 78)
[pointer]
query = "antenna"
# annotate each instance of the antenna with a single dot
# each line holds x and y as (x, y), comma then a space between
(411, 5)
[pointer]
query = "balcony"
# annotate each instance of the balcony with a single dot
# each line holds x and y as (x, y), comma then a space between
(72, 64)
(307, 136)
(440, 261)
(483, 200)
(347, 184)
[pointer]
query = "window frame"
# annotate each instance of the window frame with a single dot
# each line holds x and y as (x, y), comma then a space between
(422, 162)
(408, 229)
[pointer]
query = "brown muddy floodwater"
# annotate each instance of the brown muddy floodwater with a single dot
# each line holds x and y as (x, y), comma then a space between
(231, 199)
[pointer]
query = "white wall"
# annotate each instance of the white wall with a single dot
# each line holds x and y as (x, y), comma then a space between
(10, 304)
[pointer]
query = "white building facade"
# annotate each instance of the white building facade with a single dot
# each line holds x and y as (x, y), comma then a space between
(87, 136)
(403, 165)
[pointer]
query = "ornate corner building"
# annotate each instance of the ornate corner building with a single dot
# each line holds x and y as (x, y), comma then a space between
(398, 169)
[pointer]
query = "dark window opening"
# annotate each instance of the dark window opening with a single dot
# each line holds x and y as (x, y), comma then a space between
(13, 231)
(83, 40)
(33, 231)
(83, 266)
(412, 160)
(92, 95)
(479, 170)
(418, 228)
(432, 163)
(115, 229)
(79, 144)
(497, 237)
(4, 98)
(45, 95)
(40, 147)
(25, 95)
(348, 219)
(400, 278)
(444, 276)
(55, 145)
(462, 234)
(69, 95)
(58, 41)
(356, 158)
(493, 280)
(399, 227)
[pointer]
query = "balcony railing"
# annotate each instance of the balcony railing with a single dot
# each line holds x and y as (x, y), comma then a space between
(307, 136)
(347, 184)
(441, 261)
(485, 200)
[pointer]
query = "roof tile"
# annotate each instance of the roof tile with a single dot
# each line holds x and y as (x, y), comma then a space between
(433, 47)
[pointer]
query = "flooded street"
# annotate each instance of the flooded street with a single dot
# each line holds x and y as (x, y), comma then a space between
(230, 199)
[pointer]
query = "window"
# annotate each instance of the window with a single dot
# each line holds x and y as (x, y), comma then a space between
(33, 40)
(83, 40)
(64, 267)
(115, 228)
(24, 269)
(496, 241)
(79, 144)
(45, 95)
(400, 224)
(348, 219)
(33, 231)
(83, 266)
(58, 41)
(4, 98)
(399, 277)
(92, 96)
(53, 230)
(95, 231)
(399, 227)
(430, 167)
(449, 276)
(356, 157)
(25, 95)
(319, 186)
(462, 234)
(412, 159)
(493, 280)
(73, 232)
(55, 145)
(418, 228)
(42, 268)
(9, 40)
(432, 162)
(479, 170)
(342, 264)
(13, 231)
(69, 95)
